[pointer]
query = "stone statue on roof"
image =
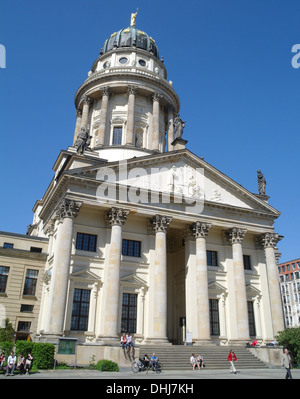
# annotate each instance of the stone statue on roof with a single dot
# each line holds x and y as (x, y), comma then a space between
(83, 141)
(261, 183)
(178, 127)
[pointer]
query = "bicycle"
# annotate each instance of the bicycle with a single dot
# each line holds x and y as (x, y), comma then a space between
(157, 367)
(138, 366)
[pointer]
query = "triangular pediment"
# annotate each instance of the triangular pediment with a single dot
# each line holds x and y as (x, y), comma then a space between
(216, 288)
(180, 174)
(132, 279)
(86, 275)
(252, 292)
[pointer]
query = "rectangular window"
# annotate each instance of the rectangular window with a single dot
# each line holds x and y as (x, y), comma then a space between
(24, 326)
(86, 242)
(247, 263)
(117, 135)
(80, 310)
(30, 282)
(4, 270)
(26, 308)
(129, 307)
(131, 248)
(251, 319)
(8, 245)
(36, 249)
(214, 317)
(212, 258)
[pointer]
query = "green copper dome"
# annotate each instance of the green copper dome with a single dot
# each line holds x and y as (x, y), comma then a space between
(131, 37)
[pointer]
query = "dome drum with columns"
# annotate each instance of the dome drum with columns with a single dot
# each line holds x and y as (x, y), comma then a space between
(126, 103)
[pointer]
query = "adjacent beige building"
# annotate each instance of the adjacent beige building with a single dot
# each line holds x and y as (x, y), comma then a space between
(22, 267)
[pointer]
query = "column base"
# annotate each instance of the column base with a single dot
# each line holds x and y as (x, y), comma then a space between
(204, 342)
(50, 337)
(114, 340)
(238, 342)
(156, 341)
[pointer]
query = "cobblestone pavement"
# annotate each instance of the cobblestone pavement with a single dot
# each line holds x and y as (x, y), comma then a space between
(78, 374)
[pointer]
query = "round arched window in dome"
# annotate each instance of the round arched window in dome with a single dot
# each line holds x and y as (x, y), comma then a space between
(106, 64)
(123, 60)
(142, 62)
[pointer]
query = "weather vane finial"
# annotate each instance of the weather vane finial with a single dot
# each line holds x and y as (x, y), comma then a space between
(133, 17)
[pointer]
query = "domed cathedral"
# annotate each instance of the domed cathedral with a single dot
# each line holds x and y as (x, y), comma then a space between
(127, 103)
(144, 236)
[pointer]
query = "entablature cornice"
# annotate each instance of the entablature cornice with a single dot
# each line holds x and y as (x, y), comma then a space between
(122, 77)
(221, 221)
(23, 254)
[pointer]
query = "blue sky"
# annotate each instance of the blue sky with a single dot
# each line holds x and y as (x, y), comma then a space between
(230, 62)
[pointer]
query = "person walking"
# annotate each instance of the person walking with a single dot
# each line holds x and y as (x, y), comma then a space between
(232, 358)
(287, 362)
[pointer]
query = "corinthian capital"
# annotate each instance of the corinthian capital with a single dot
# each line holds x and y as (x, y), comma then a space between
(270, 240)
(160, 223)
(49, 228)
(156, 96)
(68, 209)
(105, 91)
(200, 229)
(132, 90)
(117, 216)
(87, 100)
(235, 235)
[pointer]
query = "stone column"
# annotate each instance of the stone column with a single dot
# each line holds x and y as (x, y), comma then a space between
(235, 236)
(140, 314)
(130, 115)
(160, 225)
(103, 117)
(67, 211)
(170, 127)
(155, 124)
(116, 218)
(92, 309)
(222, 318)
(200, 231)
(269, 241)
(78, 124)
(87, 101)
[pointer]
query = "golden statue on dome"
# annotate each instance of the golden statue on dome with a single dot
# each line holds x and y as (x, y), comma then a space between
(133, 17)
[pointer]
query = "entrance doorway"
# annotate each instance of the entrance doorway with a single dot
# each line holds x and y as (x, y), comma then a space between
(176, 287)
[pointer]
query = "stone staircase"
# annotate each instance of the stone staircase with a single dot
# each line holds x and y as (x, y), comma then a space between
(177, 357)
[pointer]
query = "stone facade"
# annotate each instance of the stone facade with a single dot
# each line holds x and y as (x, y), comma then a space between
(289, 273)
(22, 267)
(143, 234)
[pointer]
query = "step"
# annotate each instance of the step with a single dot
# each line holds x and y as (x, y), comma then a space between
(215, 357)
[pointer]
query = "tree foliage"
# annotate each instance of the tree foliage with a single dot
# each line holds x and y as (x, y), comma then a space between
(7, 332)
(290, 339)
